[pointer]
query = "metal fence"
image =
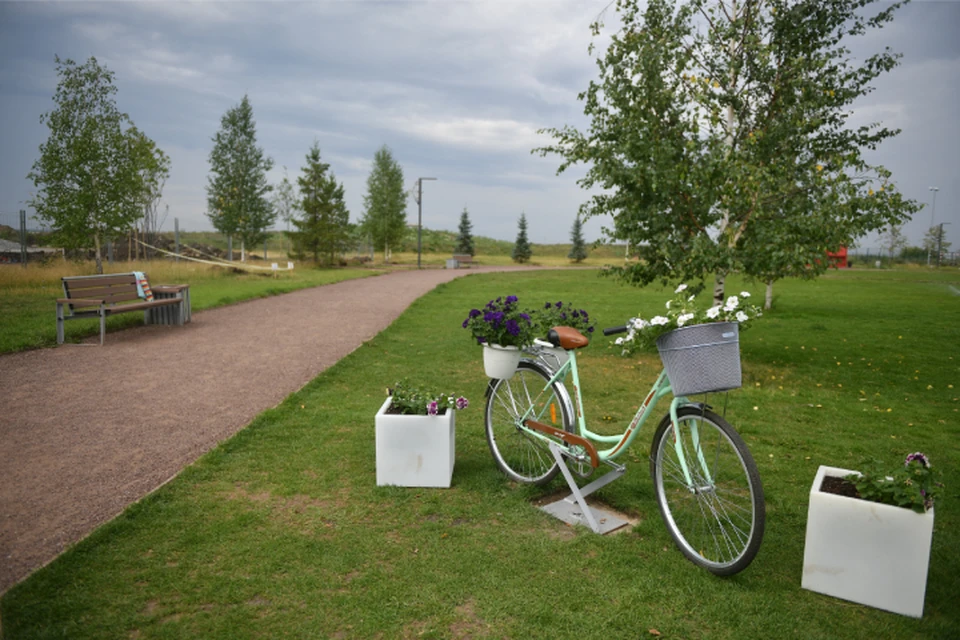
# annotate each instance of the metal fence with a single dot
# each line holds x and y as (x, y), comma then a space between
(879, 258)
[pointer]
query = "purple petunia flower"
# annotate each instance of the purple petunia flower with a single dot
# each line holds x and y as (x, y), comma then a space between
(474, 313)
(548, 305)
(462, 403)
(513, 328)
(466, 322)
(511, 299)
(559, 305)
(919, 457)
(432, 408)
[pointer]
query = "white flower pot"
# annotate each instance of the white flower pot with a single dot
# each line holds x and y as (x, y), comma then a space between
(866, 552)
(500, 362)
(415, 451)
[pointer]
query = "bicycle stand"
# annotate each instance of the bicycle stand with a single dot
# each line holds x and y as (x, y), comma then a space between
(574, 508)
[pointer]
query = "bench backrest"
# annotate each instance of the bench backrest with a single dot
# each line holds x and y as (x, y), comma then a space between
(111, 288)
(463, 258)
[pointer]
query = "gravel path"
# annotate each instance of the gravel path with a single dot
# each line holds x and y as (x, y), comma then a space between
(86, 431)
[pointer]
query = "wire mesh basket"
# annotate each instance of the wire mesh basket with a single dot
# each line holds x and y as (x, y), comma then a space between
(702, 358)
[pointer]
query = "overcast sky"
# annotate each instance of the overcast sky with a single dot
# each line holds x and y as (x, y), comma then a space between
(456, 89)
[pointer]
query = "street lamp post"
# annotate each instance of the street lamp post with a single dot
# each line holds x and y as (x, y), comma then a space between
(933, 215)
(420, 214)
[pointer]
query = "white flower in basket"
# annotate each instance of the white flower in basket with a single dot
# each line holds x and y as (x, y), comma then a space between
(700, 349)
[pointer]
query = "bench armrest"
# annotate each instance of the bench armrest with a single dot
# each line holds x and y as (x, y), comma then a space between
(169, 288)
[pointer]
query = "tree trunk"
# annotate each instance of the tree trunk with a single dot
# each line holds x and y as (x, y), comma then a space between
(718, 288)
(96, 245)
(768, 300)
(230, 247)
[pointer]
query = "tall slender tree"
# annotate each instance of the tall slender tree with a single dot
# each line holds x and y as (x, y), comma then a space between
(96, 170)
(522, 251)
(237, 187)
(154, 170)
(285, 200)
(324, 230)
(465, 236)
(385, 204)
(578, 248)
(936, 240)
(719, 133)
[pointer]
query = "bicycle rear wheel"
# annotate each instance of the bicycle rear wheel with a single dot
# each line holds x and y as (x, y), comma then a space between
(520, 455)
(717, 521)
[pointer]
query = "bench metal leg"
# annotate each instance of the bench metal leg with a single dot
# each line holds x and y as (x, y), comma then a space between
(103, 322)
(59, 323)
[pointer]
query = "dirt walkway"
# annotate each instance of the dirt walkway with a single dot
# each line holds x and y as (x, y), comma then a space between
(86, 431)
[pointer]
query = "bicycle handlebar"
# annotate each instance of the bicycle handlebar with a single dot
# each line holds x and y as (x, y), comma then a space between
(614, 330)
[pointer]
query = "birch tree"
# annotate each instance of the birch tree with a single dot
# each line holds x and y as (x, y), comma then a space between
(720, 138)
(96, 171)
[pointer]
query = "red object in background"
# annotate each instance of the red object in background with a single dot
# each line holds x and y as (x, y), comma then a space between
(838, 259)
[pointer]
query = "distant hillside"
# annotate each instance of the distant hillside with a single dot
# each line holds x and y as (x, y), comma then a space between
(442, 242)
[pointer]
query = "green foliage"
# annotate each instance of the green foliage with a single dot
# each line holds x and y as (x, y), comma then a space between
(914, 485)
(522, 251)
(96, 172)
(682, 311)
(936, 239)
(718, 140)
(324, 230)
(578, 248)
(893, 239)
(237, 187)
(562, 314)
(502, 321)
(385, 204)
(286, 200)
(411, 399)
(464, 237)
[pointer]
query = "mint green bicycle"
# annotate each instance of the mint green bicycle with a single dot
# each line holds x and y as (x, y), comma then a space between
(707, 485)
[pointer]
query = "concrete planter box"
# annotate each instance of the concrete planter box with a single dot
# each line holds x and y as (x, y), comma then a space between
(866, 552)
(415, 451)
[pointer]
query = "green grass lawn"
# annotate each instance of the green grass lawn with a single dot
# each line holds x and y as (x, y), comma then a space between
(281, 531)
(28, 297)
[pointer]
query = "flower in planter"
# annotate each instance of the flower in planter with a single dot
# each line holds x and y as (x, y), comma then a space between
(562, 314)
(682, 311)
(412, 400)
(914, 485)
(501, 321)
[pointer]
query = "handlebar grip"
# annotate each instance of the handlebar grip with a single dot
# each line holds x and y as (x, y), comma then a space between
(614, 330)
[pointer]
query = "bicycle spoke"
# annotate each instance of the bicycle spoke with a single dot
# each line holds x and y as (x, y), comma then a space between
(521, 455)
(716, 517)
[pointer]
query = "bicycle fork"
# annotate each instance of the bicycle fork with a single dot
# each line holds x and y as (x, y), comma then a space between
(681, 453)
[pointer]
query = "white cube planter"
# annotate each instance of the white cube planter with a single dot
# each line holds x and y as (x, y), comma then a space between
(866, 552)
(415, 451)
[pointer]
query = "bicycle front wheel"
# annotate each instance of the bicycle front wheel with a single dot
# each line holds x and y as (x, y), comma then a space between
(716, 517)
(520, 455)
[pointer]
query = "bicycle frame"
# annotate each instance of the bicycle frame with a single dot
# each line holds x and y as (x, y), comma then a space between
(622, 441)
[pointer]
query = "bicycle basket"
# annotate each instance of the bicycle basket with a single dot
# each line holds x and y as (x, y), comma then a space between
(702, 358)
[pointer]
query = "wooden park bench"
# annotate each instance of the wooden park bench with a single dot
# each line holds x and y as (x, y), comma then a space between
(104, 295)
(463, 258)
